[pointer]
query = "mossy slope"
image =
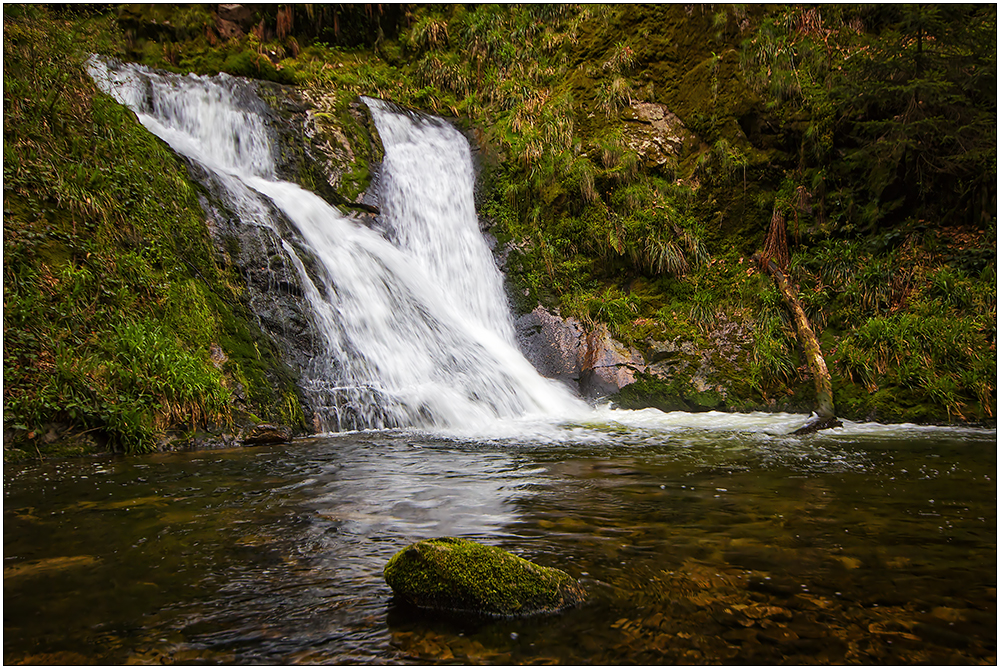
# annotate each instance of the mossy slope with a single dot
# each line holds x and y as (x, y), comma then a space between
(122, 329)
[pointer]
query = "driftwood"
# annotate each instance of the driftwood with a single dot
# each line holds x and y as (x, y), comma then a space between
(773, 259)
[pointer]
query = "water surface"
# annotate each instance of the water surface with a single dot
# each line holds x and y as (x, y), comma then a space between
(704, 538)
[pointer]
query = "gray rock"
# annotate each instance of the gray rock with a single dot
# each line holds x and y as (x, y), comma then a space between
(590, 361)
(655, 133)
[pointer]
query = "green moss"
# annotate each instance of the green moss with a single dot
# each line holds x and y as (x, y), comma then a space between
(649, 391)
(460, 575)
(115, 307)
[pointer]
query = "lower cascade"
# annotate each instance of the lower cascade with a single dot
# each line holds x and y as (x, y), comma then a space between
(414, 324)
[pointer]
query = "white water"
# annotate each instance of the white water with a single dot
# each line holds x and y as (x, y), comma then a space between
(415, 325)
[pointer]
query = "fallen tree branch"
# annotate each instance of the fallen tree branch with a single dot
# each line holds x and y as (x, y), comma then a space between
(825, 416)
(773, 259)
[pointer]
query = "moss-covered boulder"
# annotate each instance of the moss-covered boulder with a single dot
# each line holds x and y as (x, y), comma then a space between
(451, 574)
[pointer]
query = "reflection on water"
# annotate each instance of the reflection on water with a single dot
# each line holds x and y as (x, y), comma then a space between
(701, 540)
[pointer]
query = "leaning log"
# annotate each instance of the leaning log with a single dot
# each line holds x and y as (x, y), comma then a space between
(814, 354)
(775, 252)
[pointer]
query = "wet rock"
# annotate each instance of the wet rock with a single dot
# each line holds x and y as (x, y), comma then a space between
(553, 344)
(940, 635)
(206, 442)
(274, 291)
(741, 634)
(949, 614)
(608, 365)
(341, 149)
(778, 635)
(682, 375)
(730, 618)
(817, 423)
(593, 362)
(449, 574)
(761, 612)
(772, 587)
(265, 434)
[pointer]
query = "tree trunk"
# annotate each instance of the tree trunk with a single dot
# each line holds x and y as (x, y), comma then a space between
(774, 258)
(814, 354)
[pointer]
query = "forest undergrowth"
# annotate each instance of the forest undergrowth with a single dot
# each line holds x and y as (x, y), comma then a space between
(871, 129)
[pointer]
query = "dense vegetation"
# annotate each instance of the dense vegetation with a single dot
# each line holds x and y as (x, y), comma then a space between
(120, 328)
(870, 130)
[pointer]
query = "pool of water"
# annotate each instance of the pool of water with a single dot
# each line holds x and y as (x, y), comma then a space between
(701, 539)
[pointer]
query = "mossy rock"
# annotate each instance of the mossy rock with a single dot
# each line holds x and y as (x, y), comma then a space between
(449, 574)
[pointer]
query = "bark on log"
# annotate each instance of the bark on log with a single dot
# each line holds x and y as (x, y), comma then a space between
(825, 416)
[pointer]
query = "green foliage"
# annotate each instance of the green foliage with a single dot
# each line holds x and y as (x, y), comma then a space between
(945, 358)
(893, 103)
(113, 302)
(609, 306)
(771, 362)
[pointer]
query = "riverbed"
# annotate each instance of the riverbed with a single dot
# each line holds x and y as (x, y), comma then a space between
(701, 538)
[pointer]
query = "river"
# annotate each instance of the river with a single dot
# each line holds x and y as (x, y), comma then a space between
(701, 538)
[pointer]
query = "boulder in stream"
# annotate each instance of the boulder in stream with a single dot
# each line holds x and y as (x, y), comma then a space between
(449, 574)
(257, 435)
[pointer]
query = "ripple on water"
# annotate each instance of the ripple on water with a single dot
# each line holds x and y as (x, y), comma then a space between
(699, 540)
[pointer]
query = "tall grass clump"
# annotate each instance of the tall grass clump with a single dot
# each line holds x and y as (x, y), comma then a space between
(945, 358)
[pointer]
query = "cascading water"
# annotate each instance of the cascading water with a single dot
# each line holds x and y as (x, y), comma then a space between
(415, 326)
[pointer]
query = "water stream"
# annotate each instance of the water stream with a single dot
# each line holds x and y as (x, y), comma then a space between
(702, 538)
(709, 544)
(415, 325)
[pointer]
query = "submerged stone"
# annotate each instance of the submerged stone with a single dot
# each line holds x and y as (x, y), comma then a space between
(266, 434)
(449, 574)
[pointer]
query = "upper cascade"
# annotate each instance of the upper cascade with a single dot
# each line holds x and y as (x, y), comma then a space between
(213, 120)
(427, 200)
(415, 326)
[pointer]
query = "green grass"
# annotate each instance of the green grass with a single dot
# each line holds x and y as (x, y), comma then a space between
(113, 300)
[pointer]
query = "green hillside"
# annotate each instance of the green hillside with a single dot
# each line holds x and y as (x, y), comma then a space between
(635, 158)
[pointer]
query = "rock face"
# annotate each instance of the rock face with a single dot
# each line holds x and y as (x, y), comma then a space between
(655, 133)
(451, 574)
(233, 20)
(274, 291)
(335, 154)
(591, 361)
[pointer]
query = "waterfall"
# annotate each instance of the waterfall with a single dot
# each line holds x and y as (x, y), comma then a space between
(414, 322)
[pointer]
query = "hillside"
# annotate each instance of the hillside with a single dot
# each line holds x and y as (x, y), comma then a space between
(634, 161)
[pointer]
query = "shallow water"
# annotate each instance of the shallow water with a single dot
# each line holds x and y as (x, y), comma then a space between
(705, 538)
